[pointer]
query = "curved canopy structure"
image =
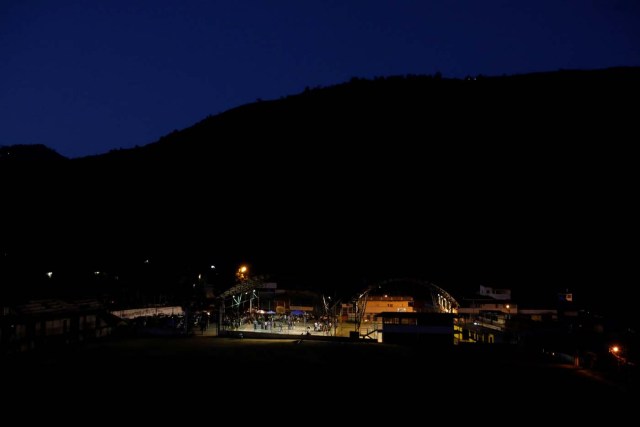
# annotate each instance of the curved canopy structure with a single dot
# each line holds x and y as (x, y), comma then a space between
(433, 297)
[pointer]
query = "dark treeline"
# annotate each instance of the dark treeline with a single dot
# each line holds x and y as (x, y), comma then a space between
(517, 181)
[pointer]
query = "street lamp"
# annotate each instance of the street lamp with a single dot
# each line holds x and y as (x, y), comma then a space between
(241, 277)
(508, 307)
(241, 274)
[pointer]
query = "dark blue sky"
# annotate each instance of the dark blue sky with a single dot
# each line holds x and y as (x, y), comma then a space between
(85, 77)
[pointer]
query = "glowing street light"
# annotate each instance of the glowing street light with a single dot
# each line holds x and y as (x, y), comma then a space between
(616, 351)
(506, 318)
(241, 274)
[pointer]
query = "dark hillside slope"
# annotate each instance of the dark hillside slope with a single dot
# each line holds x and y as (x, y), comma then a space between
(496, 178)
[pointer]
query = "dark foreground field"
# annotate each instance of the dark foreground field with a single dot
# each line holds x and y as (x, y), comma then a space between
(277, 381)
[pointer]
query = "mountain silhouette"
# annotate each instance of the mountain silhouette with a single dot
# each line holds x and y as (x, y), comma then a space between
(520, 181)
(28, 153)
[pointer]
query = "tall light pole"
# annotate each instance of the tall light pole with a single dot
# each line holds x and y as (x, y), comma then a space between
(241, 275)
(508, 315)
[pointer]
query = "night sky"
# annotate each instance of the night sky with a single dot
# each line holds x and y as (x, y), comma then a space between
(86, 77)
